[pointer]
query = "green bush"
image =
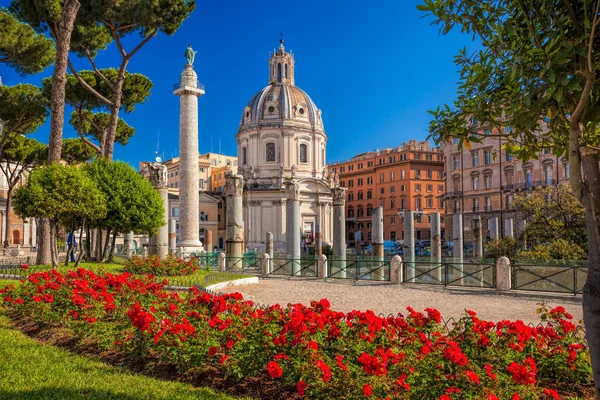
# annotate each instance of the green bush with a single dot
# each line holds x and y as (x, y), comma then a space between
(559, 249)
(505, 247)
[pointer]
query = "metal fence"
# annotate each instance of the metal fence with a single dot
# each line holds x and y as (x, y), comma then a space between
(250, 263)
(208, 261)
(470, 274)
(558, 278)
(307, 267)
(10, 268)
(359, 268)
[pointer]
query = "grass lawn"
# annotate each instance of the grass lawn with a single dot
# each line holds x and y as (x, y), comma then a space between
(31, 370)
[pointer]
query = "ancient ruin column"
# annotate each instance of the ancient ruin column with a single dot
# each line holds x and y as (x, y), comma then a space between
(378, 248)
(269, 251)
(493, 222)
(292, 225)
(509, 228)
(338, 264)
(208, 246)
(33, 232)
(457, 250)
(436, 245)
(188, 91)
(128, 242)
(159, 244)
(234, 242)
(172, 234)
(409, 243)
(318, 241)
(478, 232)
(26, 227)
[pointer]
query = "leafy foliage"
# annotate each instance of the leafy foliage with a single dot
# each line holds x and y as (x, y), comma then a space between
(21, 48)
(551, 213)
(558, 249)
(133, 204)
(23, 108)
(505, 247)
(76, 151)
(169, 266)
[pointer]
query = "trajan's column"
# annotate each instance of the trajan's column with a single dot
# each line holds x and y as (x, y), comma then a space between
(188, 90)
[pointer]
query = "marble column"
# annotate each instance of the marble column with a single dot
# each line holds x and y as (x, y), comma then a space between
(26, 227)
(234, 242)
(128, 239)
(188, 91)
(292, 225)
(338, 269)
(159, 244)
(4, 216)
(456, 275)
(436, 245)
(378, 248)
(269, 250)
(318, 241)
(478, 233)
(208, 239)
(409, 243)
(33, 232)
(494, 228)
(172, 234)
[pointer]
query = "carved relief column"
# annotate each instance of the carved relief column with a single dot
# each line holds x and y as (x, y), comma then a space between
(339, 232)
(159, 244)
(234, 244)
(292, 223)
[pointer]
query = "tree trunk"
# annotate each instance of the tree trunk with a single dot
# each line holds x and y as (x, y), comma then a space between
(112, 247)
(105, 250)
(99, 247)
(7, 222)
(114, 111)
(59, 78)
(80, 255)
(88, 243)
(53, 245)
(44, 255)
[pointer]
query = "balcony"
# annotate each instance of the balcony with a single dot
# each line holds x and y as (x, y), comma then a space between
(488, 208)
(530, 184)
(453, 194)
(198, 85)
(475, 208)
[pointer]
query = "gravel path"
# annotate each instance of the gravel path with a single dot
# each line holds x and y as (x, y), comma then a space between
(391, 299)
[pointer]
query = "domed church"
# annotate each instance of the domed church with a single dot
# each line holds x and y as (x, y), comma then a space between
(281, 139)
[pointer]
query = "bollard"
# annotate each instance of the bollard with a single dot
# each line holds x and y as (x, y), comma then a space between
(265, 267)
(396, 273)
(503, 274)
(222, 262)
(322, 267)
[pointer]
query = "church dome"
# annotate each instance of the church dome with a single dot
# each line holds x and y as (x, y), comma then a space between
(281, 101)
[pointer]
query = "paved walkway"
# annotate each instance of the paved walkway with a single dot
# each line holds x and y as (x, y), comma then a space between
(391, 299)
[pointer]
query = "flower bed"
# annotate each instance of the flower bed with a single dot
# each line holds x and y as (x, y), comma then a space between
(169, 266)
(317, 352)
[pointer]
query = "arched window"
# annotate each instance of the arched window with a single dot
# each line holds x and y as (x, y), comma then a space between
(279, 72)
(303, 153)
(244, 155)
(270, 151)
(359, 211)
(286, 71)
(350, 212)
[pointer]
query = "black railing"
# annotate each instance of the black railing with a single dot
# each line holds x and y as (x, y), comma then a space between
(359, 268)
(180, 84)
(208, 261)
(307, 267)
(564, 278)
(451, 273)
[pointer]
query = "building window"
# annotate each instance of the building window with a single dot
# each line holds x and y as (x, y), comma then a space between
(369, 181)
(548, 174)
(360, 195)
(567, 170)
(429, 188)
(392, 189)
(440, 175)
(528, 182)
(455, 141)
(508, 156)
(440, 203)
(418, 187)
(475, 158)
(475, 183)
(417, 156)
(429, 202)
(213, 162)
(369, 210)
(382, 190)
(487, 157)
(392, 204)
(475, 204)
(359, 182)
(369, 194)
(359, 211)
(202, 183)
(403, 174)
(303, 153)
(418, 174)
(350, 212)
(175, 212)
(402, 188)
(392, 222)
(418, 203)
(350, 196)
(392, 159)
(403, 157)
(440, 188)
(429, 174)
(392, 176)
(351, 183)
(244, 155)
(381, 178)
(203, 216)
(403, 204)
(488, 204)
(270, 152)
(456, 163)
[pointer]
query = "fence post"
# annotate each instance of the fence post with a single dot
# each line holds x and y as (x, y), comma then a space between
(265, 270)
(222, 262)
(322, 267)
(503, 274)
(396, 273)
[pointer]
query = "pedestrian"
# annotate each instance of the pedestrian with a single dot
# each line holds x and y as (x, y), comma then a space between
(72, 243)
(5, 251)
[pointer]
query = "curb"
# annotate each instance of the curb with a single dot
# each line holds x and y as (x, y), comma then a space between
(235, 282)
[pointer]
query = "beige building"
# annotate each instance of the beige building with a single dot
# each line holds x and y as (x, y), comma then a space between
(484, 180)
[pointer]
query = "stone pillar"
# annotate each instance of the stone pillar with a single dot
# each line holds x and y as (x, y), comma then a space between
(234, 242)
(322, 267)
(436, 245)
(222, 262)
(509, 228)
(188, 91)
(409, 243)
(503, 274)
(4, 216)
(378, 248)
(159, 244)
(456, 274)
(493, 222)
(318, 241)
(265, 266)
(339, 233)
(396, 273)
(172, 234)
(478, 232)
(269, 244)
(34, 232)
(208, 246)
(128, 243)
(292, 225)
(26, 227)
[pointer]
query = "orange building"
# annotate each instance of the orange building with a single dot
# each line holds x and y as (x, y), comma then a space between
(408, 177)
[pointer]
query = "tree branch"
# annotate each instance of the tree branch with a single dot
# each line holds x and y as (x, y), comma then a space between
(143, 42)
(530, 26)
(87, 86)
(100, 74)
(592, 34)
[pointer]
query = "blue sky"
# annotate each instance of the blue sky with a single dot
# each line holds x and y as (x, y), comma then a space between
(373, 68)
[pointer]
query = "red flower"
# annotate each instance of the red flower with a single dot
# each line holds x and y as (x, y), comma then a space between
(24, 266)
(338, 360)
(229, 344)
(523, 374)
(471, 313)
(223, 359)
(301, 386)
(488, 371)
(444, 397)
(37, 299)
(492, 396)
(19, 301)
(473, 377)
(212, 351)
(367, 390)
(47, 298)
(552, 392)
(274, 369)
(515, 397)
(325, 369)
